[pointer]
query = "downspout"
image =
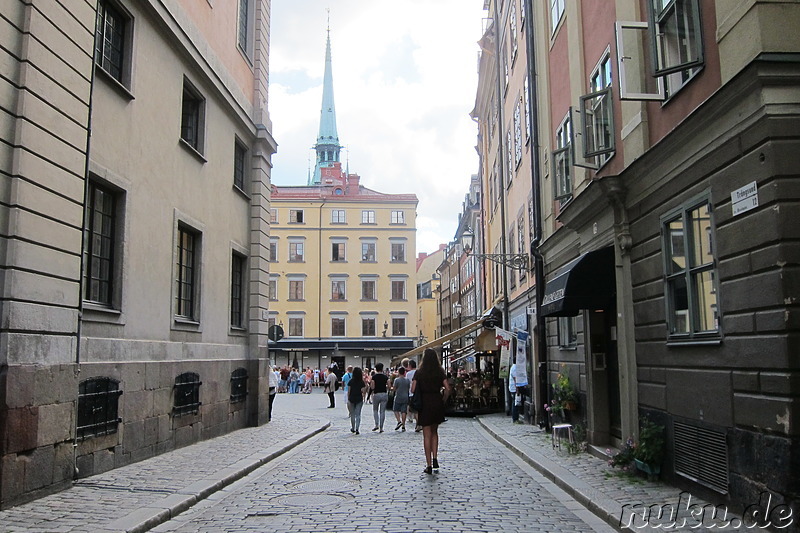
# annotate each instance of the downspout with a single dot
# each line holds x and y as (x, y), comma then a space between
(502, 157)
(538, 260)
(78, 329)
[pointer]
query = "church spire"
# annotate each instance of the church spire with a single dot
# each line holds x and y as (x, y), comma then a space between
(327, 146)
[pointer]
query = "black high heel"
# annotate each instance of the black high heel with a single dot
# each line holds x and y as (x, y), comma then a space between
(435, 463)
(428, 470)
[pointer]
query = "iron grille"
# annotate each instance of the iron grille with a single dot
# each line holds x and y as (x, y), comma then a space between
(238, 385)
(98, 407)
(701, 455)
(187, 394)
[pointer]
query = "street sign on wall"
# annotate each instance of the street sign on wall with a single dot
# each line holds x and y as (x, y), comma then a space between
(744, 199)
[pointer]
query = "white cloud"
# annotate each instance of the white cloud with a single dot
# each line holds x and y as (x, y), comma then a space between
(405, 76)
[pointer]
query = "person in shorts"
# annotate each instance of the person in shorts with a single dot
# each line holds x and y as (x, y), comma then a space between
(401, 387)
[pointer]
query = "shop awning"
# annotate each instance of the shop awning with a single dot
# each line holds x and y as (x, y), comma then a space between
(441, 340)
(587, 282)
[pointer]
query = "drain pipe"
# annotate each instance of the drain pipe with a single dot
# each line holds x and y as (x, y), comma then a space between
(538, 260)
(81, 282)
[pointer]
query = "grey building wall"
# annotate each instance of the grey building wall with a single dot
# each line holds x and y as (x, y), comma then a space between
(51, 340)
(742, 387)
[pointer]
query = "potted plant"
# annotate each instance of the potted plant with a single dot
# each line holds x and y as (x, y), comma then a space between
(649, 453)
(564, 398)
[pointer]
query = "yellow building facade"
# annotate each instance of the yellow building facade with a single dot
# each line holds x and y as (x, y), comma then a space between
(342, 273)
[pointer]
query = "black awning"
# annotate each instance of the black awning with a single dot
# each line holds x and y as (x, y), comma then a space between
(587, 282)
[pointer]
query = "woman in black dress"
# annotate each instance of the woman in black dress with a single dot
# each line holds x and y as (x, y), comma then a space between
(429, 380)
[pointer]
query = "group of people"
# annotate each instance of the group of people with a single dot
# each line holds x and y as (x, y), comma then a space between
(428, 383)
(293, 381)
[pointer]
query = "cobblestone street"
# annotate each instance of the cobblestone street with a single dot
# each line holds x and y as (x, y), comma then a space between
(338, 481)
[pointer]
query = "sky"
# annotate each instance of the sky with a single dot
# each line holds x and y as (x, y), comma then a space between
(405, 76)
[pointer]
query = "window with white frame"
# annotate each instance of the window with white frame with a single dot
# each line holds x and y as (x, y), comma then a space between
(295, 216)
(337, 216)
(368, 291)
(597, 114)
(518, 133)
(273, 216)
(296, 252)
(556, 12)
(368, 252)
(526, 97)
(398, 252)
(368, 327)
(521, 246)
(296, 289)
(676, 40)
(273, 251)
(245, 27)
(511, 241)
(398, 326)
(338, 290)
(398, 217)
(510, 153)
(668, 57)
(690, 272)
(338, 326)
(512, 21)
(562, 162)
(295, 326)
(567, 332)
(273, 289)
(398, 289)
(368, 216)
(338, 251)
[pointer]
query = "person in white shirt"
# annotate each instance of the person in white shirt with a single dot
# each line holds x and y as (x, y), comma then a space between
(518, 386)
(274, 379)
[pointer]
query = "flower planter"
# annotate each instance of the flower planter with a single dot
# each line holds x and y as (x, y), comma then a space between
(650, 470)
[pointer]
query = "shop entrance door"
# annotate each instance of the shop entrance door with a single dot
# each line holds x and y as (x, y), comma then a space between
(606, 427)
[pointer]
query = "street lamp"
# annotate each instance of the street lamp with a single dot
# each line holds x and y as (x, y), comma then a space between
(515, 261)
(457, 309)
(385, 327)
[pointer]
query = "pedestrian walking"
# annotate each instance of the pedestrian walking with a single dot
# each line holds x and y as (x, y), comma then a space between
(380, 395)
(348, 375)
(412, 414)
(274, 380)
(429, 380)
(355, 398)
(401, 386)
(330, 387)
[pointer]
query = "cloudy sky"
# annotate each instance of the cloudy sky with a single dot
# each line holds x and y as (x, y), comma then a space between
(404, 76)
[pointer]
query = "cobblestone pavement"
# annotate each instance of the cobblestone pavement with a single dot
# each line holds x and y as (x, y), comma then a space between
(342, 482)
(307, 476)
(605, 489)
(143, 494)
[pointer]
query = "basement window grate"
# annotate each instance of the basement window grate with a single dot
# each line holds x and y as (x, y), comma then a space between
(98, 407)
(187, 394)
(701, 455)
(238, 385)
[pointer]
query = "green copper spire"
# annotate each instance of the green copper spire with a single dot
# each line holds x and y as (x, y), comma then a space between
(327, 146)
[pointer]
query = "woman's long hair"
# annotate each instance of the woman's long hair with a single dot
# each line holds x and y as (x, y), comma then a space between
(430, 369)
(358, 374)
